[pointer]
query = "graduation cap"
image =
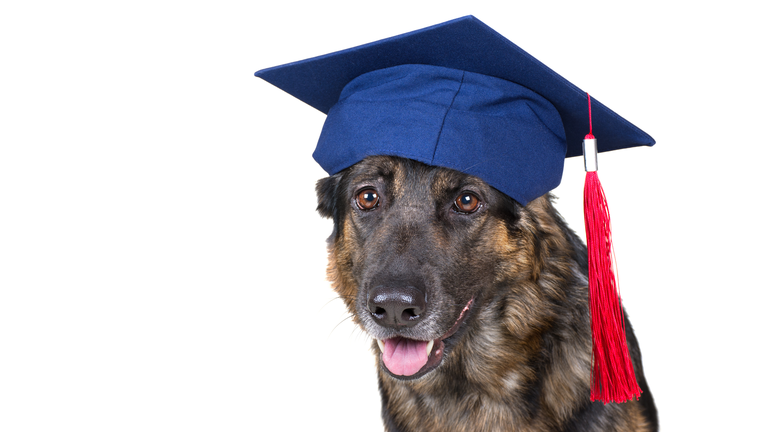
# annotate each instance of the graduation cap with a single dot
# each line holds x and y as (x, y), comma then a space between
(461, 96)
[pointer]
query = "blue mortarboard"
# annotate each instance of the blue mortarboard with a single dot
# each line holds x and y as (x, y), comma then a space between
(461, 96)
(457, 95)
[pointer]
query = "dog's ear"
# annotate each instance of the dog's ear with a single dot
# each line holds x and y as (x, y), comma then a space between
(326, 189)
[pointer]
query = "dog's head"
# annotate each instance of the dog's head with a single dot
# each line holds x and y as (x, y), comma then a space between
(417, 250)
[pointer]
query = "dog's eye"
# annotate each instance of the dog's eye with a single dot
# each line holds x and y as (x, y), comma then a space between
(467, 203)
(367, 199)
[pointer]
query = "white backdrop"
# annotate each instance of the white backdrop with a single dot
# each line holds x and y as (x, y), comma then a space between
(162, 265)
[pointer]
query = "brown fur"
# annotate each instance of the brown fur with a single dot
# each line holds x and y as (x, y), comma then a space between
(520, 361)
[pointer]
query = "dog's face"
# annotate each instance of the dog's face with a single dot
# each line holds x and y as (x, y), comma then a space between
(416, 251)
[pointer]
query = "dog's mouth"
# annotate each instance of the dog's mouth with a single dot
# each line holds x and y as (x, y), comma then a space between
(409, 359)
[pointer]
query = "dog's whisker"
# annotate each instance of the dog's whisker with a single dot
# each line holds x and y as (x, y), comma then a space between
(334, 299)
(359, 332)
(340, 323)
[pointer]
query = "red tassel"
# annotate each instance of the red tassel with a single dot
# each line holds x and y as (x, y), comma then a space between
(613, 376)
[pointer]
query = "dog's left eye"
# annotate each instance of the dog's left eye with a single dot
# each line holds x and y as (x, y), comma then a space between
(367, 199)
(467, 203)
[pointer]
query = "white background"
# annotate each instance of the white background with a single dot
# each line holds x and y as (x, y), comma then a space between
(162, 265)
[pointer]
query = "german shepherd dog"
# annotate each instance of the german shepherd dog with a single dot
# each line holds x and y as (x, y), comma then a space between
(478, 305)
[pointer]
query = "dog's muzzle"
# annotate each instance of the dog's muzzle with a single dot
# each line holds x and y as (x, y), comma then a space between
(407, 358)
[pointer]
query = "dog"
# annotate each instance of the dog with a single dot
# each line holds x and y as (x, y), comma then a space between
(478, 306)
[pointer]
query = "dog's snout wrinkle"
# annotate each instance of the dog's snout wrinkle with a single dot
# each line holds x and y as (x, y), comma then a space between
(397, 306)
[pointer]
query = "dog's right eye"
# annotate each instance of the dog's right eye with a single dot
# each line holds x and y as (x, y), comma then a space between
(367, 199)
(467, 203)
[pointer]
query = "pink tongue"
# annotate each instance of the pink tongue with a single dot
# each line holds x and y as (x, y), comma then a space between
(404, 356)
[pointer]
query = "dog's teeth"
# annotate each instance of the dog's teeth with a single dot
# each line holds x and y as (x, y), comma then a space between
(381, 344)
(429, 347)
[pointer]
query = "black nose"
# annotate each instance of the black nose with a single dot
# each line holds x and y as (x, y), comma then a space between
(397, 306)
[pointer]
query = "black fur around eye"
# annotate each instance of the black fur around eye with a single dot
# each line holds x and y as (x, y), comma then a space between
(367, 199)
(467, 203)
